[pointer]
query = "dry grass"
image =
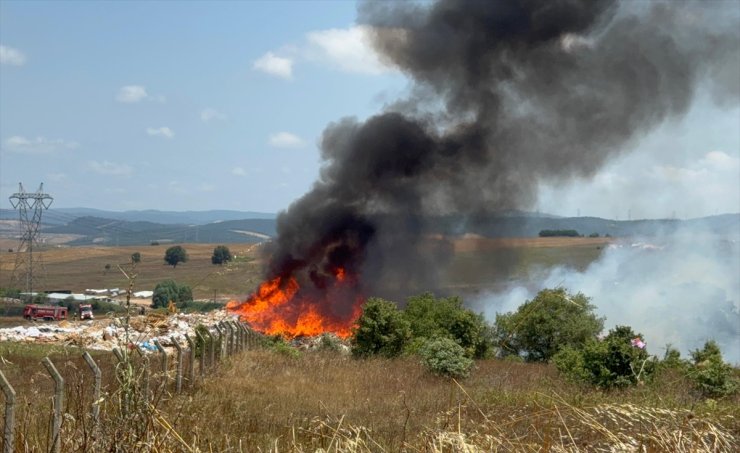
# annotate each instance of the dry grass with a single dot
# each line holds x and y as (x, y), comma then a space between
(323, 401)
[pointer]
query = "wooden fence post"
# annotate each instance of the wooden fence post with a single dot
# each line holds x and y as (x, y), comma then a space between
(145, 374)
(191, 369)
(220, 332)
(97, 375)
(178, 374)
(163, 354)
(56, 421)
(9, 414)
(202, 353)
(211, 348)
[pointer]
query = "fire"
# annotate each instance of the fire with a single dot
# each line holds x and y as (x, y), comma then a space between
(280, 307)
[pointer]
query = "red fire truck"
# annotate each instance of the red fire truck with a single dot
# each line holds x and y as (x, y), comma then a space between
(86, 311)
(45, 312)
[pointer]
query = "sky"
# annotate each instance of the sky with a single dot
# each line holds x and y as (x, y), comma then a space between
(207, 105)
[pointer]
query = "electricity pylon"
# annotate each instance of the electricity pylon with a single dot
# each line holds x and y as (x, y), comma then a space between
(28, 269)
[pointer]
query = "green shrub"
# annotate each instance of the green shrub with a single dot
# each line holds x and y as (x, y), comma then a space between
(552, 321)
(431, 318)
(445, 357)
(381, 329)
(280, 345)
(170, 290)
(672, 359)
(611, 362)
(709, 374)
(330, 342)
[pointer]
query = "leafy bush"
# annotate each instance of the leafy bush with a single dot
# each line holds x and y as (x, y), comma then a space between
(709, 374)
(445, 357)
(672, 359)
(559, 233)
(431, 318)
(280, 345)
(614, 361)
(381, 329)
(553, 320)
(330, 342)
(12, 293)
(197, 306)
(170, 290)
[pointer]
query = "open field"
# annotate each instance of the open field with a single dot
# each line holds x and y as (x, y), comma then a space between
(478, 263)
(265, 400)
(78, 268)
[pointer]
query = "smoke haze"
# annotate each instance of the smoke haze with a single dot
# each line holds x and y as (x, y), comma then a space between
(680, 289)
(505, 95)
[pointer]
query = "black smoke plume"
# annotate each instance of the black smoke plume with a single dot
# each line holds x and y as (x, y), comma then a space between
(506, 94)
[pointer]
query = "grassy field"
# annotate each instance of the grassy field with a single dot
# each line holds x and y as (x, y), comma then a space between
(264, 400)
(477, 264)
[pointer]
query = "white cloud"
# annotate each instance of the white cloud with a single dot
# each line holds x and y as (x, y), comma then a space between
(163, 131)
(208, 114)
(274, 65)
(348, 49)
(11, 56)
(131, 94)
(285, 140)
(238, 171)
(38, 145)
(57, 177)
(109, 168)
(206, 187)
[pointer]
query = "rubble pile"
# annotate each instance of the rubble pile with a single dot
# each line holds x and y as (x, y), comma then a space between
(105, 334)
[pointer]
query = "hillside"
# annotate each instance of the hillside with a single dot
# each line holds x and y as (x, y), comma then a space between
(130, 228)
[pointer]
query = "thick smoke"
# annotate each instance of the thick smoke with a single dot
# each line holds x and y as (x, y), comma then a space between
(679, 288)
(506, 94)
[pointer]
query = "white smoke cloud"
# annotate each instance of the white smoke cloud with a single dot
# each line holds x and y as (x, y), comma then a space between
(681, 289)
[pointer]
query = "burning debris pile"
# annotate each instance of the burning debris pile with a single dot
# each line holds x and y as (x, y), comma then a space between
(505, 95)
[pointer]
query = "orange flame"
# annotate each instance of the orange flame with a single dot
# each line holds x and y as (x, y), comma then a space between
(278, 307)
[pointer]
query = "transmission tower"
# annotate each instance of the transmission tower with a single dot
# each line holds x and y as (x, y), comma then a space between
(28, 269)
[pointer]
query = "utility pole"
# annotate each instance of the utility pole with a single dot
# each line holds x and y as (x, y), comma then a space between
(29, 206)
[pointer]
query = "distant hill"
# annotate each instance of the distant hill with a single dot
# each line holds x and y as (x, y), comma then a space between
(61, 216)
(96, 230)
(106, 231)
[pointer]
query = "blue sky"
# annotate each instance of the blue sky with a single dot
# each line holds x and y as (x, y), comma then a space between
(206, 105)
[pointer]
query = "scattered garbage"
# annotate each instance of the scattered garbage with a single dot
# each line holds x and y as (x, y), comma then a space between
(106, 334)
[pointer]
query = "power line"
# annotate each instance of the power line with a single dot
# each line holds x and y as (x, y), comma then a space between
(35, 204)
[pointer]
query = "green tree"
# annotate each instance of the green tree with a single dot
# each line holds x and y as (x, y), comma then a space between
(430, 318)
(170, 290)
(709, 373)
(381, 329)
(551, 321)
(175, 255)
(221, 255)
(136, 257)
(612, 362)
